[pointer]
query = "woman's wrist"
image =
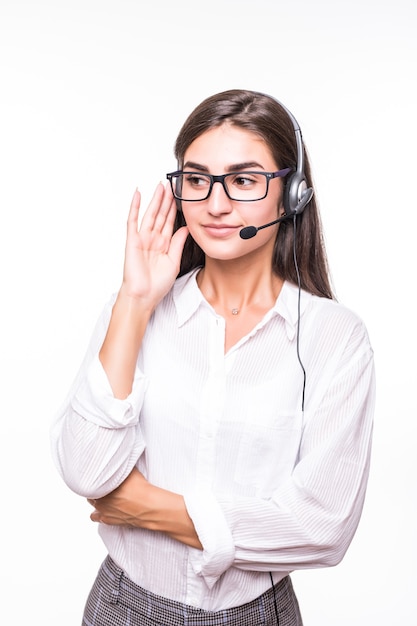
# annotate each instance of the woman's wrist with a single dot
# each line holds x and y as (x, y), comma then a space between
(134, 303)
(166, 512)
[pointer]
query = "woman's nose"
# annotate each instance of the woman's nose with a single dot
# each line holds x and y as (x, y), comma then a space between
(218, 201)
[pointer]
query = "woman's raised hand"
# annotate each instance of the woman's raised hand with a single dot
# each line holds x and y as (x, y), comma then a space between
(152, 261)
(153, 253)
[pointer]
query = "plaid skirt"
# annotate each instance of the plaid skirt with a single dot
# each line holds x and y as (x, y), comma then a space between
(115, 601)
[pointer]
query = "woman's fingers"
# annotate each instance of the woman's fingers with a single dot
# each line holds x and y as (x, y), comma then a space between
(152, 252)
(161, 208)
(148, 220)
(132, 219)
(171, 214)
(177, 244)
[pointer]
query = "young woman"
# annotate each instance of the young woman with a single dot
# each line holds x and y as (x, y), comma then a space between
(221, 422)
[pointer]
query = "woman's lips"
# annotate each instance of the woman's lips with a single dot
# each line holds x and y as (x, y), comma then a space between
(220, 230)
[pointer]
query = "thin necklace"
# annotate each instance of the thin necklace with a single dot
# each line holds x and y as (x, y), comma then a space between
(235, 311)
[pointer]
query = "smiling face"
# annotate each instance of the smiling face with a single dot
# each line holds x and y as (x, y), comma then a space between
(215, 223)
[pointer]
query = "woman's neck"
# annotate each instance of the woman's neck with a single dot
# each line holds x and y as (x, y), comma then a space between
(237, 288)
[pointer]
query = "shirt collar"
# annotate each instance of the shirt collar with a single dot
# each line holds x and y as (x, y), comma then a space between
(287, 306)
(188, 298)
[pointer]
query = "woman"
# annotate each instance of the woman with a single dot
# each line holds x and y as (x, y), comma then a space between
(221, 422)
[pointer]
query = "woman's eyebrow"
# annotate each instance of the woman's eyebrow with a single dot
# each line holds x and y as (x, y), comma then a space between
(234, 167)
(194, 166)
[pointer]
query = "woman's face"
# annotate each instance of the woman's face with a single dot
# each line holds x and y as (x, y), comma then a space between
(215, 223)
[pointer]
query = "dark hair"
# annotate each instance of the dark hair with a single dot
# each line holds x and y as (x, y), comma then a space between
(265, 116)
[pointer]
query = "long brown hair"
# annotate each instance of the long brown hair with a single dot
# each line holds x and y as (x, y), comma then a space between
(265, 116)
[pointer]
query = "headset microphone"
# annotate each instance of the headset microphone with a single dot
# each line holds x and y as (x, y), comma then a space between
(250, 231)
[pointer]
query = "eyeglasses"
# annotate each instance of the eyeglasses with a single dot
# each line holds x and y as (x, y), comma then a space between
(240, 186)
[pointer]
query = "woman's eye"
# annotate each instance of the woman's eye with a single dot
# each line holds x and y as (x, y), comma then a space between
(243, 181)
(196, 181)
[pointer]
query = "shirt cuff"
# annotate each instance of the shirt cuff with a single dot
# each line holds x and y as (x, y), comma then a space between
(95, 402)
(214, 534)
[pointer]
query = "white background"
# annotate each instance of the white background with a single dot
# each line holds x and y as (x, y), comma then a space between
(92, 95)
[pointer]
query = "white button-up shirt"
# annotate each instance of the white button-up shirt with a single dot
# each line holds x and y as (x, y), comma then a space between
(269, 487)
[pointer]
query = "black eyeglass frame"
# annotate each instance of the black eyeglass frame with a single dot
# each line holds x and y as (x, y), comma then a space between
(220, 179)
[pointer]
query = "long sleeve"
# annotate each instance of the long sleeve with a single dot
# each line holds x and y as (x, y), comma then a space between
(96, 438)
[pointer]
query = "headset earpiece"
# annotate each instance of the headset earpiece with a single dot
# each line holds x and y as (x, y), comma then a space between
(294, 194)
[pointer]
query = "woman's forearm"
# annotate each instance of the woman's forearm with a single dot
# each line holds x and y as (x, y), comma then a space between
(120, 349)
(140, 504)
(166, 512)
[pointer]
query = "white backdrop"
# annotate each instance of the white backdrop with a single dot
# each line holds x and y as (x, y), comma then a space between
(93, 93)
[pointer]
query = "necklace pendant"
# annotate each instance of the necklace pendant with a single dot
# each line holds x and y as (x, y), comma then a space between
(235, 311)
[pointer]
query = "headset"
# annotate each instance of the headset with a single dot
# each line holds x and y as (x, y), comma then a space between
(297, 194)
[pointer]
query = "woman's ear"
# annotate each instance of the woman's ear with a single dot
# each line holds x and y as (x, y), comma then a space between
(281, 210)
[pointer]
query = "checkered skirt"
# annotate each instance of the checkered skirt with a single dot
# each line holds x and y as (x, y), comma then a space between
(115, 601)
